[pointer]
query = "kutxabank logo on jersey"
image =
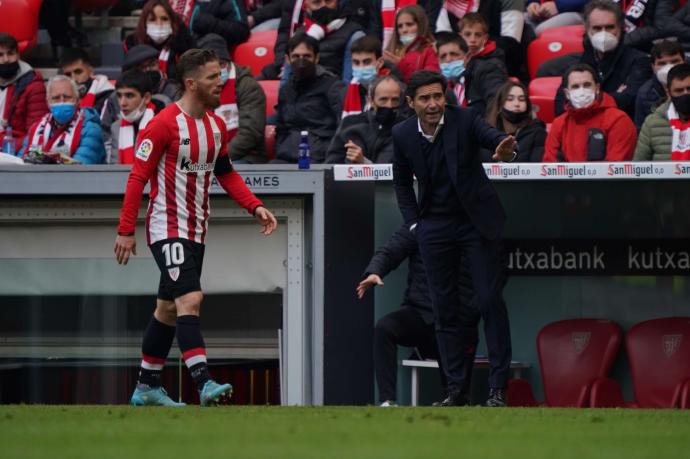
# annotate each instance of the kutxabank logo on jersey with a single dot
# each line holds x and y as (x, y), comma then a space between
(186, 165)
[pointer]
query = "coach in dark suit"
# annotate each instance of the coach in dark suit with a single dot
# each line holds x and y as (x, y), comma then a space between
(457, 213)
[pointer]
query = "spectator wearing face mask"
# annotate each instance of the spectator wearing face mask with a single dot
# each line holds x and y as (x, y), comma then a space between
(311, 100)
(511, 112)
(411, 46)
(592, 128)
(160, 27)
(68, 132)
(665, 134)
(137, 107)
(367, 64)
(453, 55)
(665, 54)
(94, 90)
(242, 106)
(366, 138)
(621, 69)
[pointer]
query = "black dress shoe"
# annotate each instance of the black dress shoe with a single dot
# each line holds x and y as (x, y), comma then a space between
(454, 399)
(497, 398)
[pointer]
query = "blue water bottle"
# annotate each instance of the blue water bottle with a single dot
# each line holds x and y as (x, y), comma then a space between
(303, 158)
(8, 142)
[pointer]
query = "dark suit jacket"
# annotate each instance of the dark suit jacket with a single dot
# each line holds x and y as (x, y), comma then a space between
(464, 132)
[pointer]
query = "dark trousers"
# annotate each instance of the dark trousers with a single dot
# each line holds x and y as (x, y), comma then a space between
(443, 240)
(406, 327)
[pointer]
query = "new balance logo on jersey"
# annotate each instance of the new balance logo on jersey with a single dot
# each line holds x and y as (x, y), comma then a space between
(187, 166)
(186, 141)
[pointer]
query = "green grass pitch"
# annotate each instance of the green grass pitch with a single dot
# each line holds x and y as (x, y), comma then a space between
(100, 432)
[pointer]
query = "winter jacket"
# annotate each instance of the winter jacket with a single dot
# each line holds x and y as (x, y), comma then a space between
(178, 45)
(226, 18)
(530, 139)
(654, 142)
(423, 58)
(91, 149)
(678, 26)
(568, 139)
(565, 6)
(649, 26)
(26, 100)
(622, 72)
(248, 144)
(650, 95)
(486, 72)
(374, 139)
(314, 106)
(269, 11)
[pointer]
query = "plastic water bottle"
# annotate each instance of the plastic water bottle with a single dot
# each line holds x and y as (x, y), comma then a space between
(8, 142)
(304, 158)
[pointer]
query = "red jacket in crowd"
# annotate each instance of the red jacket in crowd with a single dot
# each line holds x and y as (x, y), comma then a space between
(421, 58)
(570, 132)
(26, 103)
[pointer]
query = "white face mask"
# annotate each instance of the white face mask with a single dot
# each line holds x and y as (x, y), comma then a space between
(581, 97)
(662, 74)
(136, 114)
(407, 39)
(158, 33)
(604, 41)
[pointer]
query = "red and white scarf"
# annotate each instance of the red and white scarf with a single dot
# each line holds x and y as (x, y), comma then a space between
(65, 140)
(459, 91)
(127, 139)
(228, 104)
(353, 99)
(296, 12)
(100, 84)
(459, 8)
(184, 8)
(163, 59)
(319, 31)
(680, 135)
(388, 10)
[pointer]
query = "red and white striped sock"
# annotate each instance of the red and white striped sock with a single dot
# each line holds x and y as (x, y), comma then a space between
(193, 348)
(155, 347)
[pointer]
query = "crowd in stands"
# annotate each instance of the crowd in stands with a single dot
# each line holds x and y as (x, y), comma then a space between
(341, 67)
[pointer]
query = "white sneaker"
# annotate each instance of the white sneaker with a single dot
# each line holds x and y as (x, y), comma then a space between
(388, 404)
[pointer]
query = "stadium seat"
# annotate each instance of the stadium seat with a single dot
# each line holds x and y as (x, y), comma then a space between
(257, 51)
(543, 49)
(572, 354)
(271, 88)
(542, 93)
(659, 355)
(554, 33)
(270, 139)
(24, 21)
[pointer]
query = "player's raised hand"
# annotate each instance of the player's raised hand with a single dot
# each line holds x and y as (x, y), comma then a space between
(266, 220)
(124, 246)
(366, 284)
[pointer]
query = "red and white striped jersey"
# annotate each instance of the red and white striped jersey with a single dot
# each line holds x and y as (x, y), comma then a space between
(178, 153)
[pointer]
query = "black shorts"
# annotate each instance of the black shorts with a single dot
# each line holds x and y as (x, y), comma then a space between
(180, 263)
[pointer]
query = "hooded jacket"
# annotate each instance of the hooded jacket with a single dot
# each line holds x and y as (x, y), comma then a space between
(421, 58)
(654, 142)
(26, 102)
(568, 139)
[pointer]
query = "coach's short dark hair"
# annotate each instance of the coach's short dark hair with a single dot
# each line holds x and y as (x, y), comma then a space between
(604, 5)
(137, 79)
(72, 55)
(666, 48)
(678, 72)
(191, 60)
(580, 68)
(8, 42)
(446, 38)
(423, 78)
(302, 38)
(367, 44)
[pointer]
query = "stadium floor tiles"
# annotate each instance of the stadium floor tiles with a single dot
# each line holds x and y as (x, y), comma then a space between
(55, 432)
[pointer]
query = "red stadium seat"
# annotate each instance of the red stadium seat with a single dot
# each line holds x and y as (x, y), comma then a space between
(542, 93)
(270, 88)
(270, 139)
(659, 355)
(554, 33)
(572, 354)
(543, 49)
(23, 24)
(257, 51)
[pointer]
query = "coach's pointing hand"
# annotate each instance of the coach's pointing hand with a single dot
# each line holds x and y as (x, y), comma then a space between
(266, 219)
(366, 284)
(124, 246)
(505, 151)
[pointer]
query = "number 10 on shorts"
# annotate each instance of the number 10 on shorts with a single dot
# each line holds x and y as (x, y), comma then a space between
(174, 253)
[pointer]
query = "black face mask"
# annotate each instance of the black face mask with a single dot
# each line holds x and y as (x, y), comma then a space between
(84, 87)
(682, 104)
(155, 77)
(303, 69)
(9, 69)
(386, 116)
(514, 117)
(324, 15)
